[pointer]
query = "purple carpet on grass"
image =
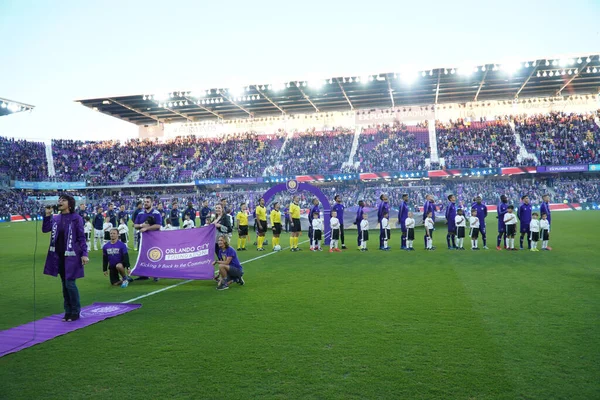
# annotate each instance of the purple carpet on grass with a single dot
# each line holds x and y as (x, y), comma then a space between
(32, 333)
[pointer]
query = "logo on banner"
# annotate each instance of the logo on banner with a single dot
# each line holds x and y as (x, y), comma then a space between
(292, 186)
(103, 310)
(155, 254)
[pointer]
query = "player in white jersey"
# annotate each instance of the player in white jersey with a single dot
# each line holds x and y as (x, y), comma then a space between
(385, 227)
(88, 228)
(123, 231)
(474, 224)
(461, 225)
(364, 231)
(317, 230)
(545, 232)
(510, 221)
(429, 226)
(188, 223)
(409, 223)
(534, 231)
(335, 225)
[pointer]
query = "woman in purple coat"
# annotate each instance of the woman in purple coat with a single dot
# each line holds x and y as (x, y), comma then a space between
(68, 252)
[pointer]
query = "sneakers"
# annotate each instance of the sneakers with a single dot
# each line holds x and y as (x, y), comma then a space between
(337, 250)
(223, 286)
(66, 317)
(498, 248)
(486, 248)
(260, 249)
(241, 281)
(239, 249)
(312, 248)
(320, 249)
(331, 250)
(549, 248)
(344, 247)
(125, 283)
(155, 279)
(129, 279)
(73, 317)
(386, 249)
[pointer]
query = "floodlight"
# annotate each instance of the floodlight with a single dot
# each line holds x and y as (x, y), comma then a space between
(588, 59)
(579, 60)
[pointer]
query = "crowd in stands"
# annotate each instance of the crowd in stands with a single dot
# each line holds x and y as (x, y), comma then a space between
(316, 152)
(392, 148)
(23, 160)
(16, 202)
(559, 138)
(477, 144)
(577, 190)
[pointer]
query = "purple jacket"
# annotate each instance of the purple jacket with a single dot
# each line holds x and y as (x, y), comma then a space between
(75, 246)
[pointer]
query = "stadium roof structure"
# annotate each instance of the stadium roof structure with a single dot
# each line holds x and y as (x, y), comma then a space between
(8, 107)
(578, 75)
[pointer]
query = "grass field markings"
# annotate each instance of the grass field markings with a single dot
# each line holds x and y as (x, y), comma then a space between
(191, 280)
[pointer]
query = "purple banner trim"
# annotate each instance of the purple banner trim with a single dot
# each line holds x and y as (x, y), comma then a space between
(177, 254)
(563, 168)
(32, 333)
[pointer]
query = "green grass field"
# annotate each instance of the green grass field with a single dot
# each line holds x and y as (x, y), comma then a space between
(397, 325)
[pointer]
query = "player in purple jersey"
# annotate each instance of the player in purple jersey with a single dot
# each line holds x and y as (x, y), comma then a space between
(524, 215)
(502, 209)
(358, 220)
(115, 260)
(149, 219)
(482, 213)
(450, 220)
(402, 215)
(339, 208)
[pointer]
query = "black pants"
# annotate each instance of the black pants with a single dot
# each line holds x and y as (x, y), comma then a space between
(342, 234)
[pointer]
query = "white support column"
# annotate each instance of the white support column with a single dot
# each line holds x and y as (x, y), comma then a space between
(433, 142)
(50, 159)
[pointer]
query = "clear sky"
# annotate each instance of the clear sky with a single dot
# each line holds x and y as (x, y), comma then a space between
(54, 52)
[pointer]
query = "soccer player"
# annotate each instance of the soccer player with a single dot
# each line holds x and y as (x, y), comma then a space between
(67, 253)
(82, 211)
(402, 215)
(242, 227)
(409, 223)
(98, 228)
(461, 224)
(358, 220)
(191, 211)
(428, 207)
(451, 221)
(87, 230)
(474, 223)
(334, 223)
(510, 221)
(122, 214)
(317, 226)
(545, 232)
(163, 215)
(364, 231)
(174, 216)
(188, 223)
(261, 217)
(112, 214)
(276, 224)
(123, 232)
(383, 208)
(482, 213)
(106, 227)
(545, 209)
(502, 207)
(534, 228)
(311, 213)
(429, 226)
(339, 209)
(204, 213)
(385, 225)
(152, 215)
(296, 227)
(524, 215)
(136, 236)
(230, 268)
(115, 260)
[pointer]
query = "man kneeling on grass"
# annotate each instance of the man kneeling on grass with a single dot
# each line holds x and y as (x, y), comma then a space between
(116, 260)
(230, 268)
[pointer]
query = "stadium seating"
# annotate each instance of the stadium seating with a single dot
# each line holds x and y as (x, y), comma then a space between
(559, 138)
(23, 160)
(397, 148)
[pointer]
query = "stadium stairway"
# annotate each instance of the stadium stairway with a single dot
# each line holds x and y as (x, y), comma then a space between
(354, 147)
(433, 143)
(523, 153)
(50, 159)
(597, 120)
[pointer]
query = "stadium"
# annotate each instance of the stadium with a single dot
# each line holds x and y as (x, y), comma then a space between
(318, 189)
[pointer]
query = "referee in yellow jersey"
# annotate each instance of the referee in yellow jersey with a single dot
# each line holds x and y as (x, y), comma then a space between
(261, 216)
(276, 225)
(242, 222)
(296, 228)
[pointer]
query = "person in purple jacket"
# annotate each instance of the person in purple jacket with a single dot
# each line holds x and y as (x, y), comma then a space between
(339, 208)
(428, 207)
(68, 252)
(402, 215)
(524, 215)
(482, 213)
